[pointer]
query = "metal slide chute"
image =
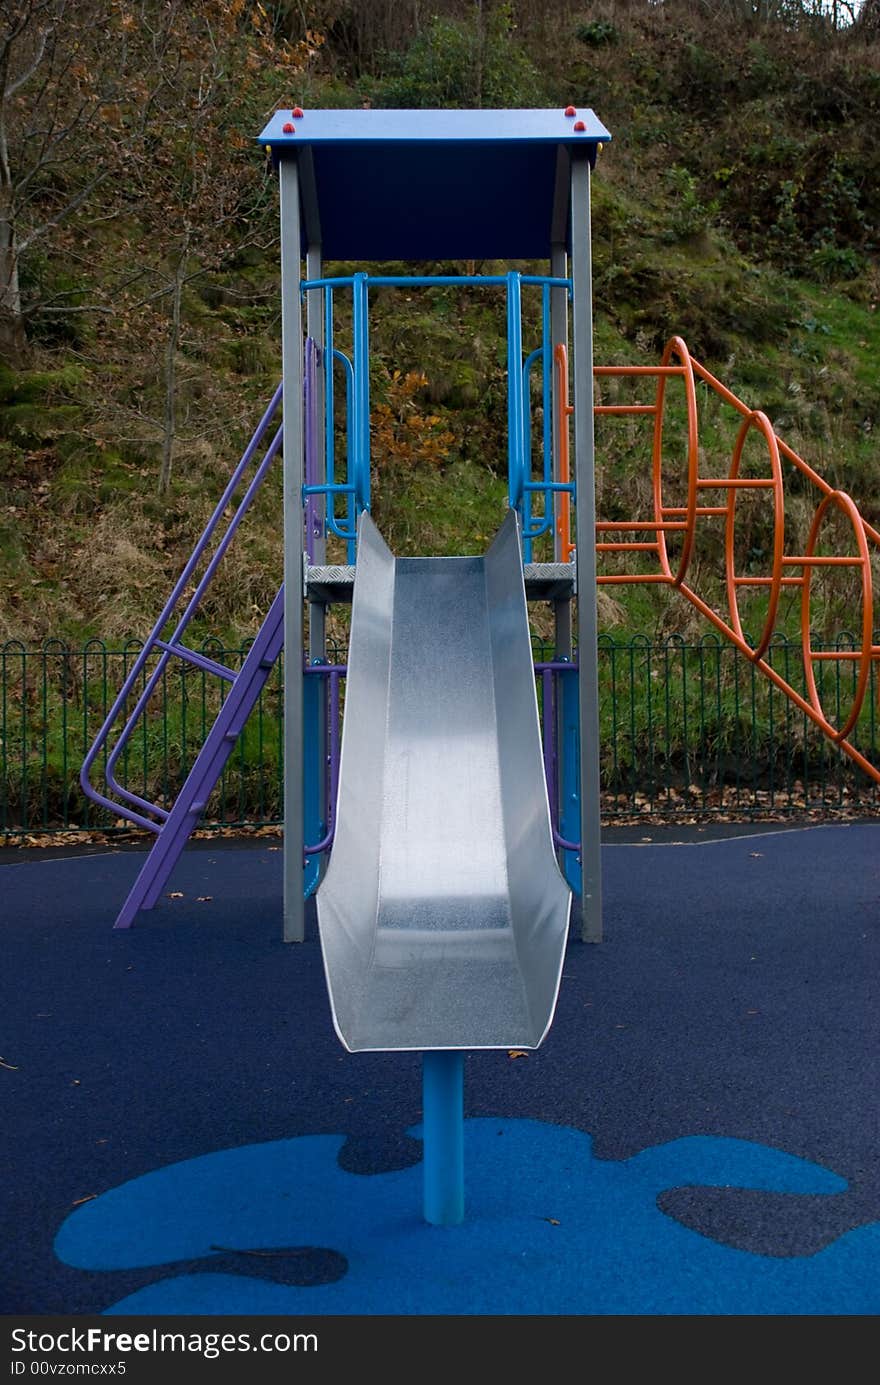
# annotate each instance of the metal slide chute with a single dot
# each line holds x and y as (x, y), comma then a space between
(443, 916)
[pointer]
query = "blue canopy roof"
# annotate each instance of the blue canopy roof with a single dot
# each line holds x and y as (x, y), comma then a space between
(434, 185)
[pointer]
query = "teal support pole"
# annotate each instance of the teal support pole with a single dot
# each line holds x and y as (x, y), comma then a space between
(315, 808)
(443, 1136)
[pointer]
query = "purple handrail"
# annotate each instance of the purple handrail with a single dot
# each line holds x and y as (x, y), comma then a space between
(167, 611)
(189, 612)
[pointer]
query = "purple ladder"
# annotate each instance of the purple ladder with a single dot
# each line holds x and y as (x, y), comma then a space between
(193, 797)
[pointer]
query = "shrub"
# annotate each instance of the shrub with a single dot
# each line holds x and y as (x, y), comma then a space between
(475, 61)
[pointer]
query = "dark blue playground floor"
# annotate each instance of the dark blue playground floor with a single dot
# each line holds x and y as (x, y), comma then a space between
(183, 1133)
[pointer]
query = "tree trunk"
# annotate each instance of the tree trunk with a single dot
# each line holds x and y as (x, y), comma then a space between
(868, 19)
(169, 419)
(480, 55)
(13, 341)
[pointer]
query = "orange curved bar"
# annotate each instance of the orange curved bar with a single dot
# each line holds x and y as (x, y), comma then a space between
(563, 414)
(847, 506)
(676, 347)
(762, 423)
(662, 522)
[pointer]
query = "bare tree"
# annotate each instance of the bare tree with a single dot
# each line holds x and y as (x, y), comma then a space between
(132, 109)
(64, 68)
(200, 192)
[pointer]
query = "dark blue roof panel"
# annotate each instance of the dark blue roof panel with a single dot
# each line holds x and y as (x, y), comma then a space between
(432, 185)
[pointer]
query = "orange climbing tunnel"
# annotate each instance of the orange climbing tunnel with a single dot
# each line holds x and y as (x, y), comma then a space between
(688, 497)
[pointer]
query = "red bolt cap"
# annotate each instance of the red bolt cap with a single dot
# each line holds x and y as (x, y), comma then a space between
(288, 127)
(570, 110)
(579, 125)
(297, 112)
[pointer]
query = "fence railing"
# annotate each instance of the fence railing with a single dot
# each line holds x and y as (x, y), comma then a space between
(687, 729)
(693, 728)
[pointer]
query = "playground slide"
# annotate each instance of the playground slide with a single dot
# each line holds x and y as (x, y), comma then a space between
(443, 916)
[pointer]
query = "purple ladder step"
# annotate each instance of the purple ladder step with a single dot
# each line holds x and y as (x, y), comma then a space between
(190, 656)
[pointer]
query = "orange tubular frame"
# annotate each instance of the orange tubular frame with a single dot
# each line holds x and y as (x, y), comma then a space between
(848, 507)
(564, 411)
(762, 423)
(682, 519)
(667, 518)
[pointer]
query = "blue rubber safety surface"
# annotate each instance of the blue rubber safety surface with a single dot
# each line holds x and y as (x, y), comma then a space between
(183, 1132)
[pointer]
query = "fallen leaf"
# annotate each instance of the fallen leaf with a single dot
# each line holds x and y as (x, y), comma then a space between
(517, 1053)
(755, 854)
(203, 898)
(89, 1197)
(554, 1221)
(10, 1066)
(175, 894)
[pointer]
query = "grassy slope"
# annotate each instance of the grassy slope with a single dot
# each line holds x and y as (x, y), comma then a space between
(79, 455)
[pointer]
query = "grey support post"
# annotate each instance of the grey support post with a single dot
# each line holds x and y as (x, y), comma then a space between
(587, 615)
(292, 364)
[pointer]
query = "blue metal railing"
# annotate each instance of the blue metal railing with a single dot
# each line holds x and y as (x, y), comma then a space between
(544, 354)
(522, 487)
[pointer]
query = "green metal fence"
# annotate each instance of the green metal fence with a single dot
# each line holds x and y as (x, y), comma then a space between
(687, 729)
(696, 729)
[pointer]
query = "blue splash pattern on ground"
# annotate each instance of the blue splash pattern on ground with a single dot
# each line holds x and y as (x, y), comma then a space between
(549, 1229)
